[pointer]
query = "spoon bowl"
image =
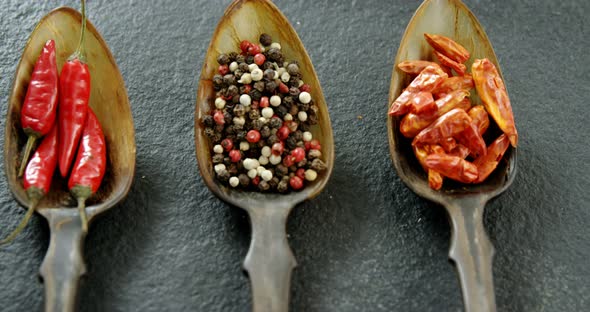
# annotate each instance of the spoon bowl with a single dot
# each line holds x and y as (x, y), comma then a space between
(470, 249)
(269, 261)
(63, 264)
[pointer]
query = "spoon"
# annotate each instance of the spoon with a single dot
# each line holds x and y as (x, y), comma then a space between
(269, 261)
(471, 250)
(63, 264)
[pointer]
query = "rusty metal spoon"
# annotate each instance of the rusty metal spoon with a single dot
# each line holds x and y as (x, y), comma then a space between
(471, 250)
(63, 265)
(269, 261)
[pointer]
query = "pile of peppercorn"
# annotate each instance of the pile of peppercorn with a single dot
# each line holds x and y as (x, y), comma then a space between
(260, 124)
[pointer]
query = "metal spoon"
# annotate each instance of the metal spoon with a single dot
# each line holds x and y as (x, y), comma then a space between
(470, 248)
(269, 261)
(63, 264)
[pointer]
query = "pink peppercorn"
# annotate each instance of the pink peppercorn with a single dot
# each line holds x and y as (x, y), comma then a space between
(307, 145)
(264, 102)
(315, 144)
(227, 145)
(247, 89)
(296, 183)
(223, 69)
(254, 105)
(235, 156)
(244, 45)
(288, 161)
(278, 148)
(254, 49)
(259, 59)
(305, 88)
(283, 88)
(300, 173)
(253, 136)
(298, 154)
(256, 180)
(283, 132)
(219, 118)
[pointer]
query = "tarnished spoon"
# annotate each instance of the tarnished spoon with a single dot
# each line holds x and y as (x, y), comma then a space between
(269, 261)
(470, 248)
(63, 265)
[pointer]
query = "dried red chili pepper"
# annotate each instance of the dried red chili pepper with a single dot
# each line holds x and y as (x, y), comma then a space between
(480, 118)
(74, 93)
(452, 167)
(487, 163)
(492, 92)
(471, 138)
(448, 47)
(446, 126)
(37, 114)
(459, 68)
(435, 179)
(414, 67)
(37, 178)
(90, 165)
(451, 84)
(426, 81)
(412, 124)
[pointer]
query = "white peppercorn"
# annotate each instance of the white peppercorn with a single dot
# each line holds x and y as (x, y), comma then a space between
(234, 181)
(267, 112)
(245, 100)
(304, 97)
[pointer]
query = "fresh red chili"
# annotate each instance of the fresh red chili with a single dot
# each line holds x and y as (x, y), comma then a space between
(38, 111)
(74, 93)
(90, 165)
(38, 176)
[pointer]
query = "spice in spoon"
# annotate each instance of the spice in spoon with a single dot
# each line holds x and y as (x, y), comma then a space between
(39, 108)
(74, 93)
(37, 177)
(261, 121)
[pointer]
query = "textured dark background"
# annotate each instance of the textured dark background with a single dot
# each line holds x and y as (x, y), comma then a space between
(367, 243)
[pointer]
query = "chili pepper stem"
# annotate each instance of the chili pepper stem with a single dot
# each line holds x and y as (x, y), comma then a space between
(82, 210)
(35, 196)
(28, 149)
(79, 53)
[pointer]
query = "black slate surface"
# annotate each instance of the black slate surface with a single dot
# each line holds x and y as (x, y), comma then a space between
(367, 243)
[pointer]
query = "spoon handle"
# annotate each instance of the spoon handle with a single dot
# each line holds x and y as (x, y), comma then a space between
(472, 252)
(63, 264)
(269, 261)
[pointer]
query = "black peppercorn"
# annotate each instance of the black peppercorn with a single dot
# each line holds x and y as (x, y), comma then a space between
(250, 59)
(216, 138)
(238, 74)
(314, 153)
(265, 132)
(294, 110)
(291, 142)
(223, 59)
(302, 163)
(229, 79)
(208, 121)
(274, 54)
(226, 161)
(257, 124)
(271, 86)
(304, 107)
(244, 180)
(269, 74)
(232, 169)
(232, 56)
(263, 186)
(259, 85)
(272, 139)
(281, 111)
(240, 59)
(314, 109)
(209, 132)
(232, 90)
(265, 39)
(217, 82)
(288, 101)
(282, 170)
(227, 117)
(238, 127)
(293, 82)
(241, 135)
(266, 65)
(223, 176)
(304, 127)
(274, 182)
(255, 95)
(219, 128)
(275, 122)
(260, 144)
(298, 135)
(313, 119)
(244, 67)
(230, 129)
(294, 91)
(239, 110)
(234, 101)
(217, 158)
(293, 69)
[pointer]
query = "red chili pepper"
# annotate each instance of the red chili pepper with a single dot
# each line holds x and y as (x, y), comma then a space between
(480, 118)
(74, 93)
(487, 163)
(446, 126)
(448, 47)
(90, 164)
(451, 84)
(459, 68)
(452, 167)
(427, 81)
(38, 176)
(37, 114)
(414, 67)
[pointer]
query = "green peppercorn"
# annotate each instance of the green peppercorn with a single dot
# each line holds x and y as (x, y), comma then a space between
(275, 122)
(241, 135)
(318, 165)
(257, 124)
(265, 39)
(314, 109)
(263, 186)
(314, 153)
(254, 114)
(313, 119)
(294, 110)
(283, 186)
(216, 138)
(239, 110)
(240, 59)
(265, 132)
(302, 163)
(235, 100)
(250, 59)
(217, 158)
(209, 132)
